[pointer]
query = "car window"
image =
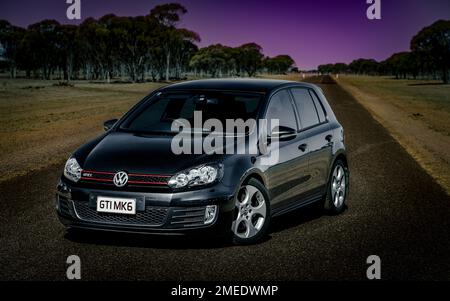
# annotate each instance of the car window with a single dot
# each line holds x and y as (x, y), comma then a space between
(280, 108)
(305, 107)
(159, 114)
(319, 106)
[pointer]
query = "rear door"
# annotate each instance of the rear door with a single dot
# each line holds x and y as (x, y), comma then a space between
(316, 133)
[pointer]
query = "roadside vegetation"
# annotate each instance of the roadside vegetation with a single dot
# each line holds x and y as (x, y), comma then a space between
(429, 58)
(408, 93)
(133, 49)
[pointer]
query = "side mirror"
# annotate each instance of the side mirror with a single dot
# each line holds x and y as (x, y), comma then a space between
(107, 125)
(282, 133)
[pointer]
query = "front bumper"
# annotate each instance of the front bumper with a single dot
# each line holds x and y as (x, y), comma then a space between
(157, 212)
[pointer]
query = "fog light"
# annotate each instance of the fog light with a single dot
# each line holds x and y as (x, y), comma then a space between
(210, 214)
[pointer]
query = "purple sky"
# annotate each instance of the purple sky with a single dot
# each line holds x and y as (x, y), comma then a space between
(312, 32)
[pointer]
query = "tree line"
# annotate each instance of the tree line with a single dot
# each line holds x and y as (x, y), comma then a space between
(429, 57)
(137, 48)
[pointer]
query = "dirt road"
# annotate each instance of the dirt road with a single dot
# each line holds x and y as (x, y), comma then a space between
(396, 211)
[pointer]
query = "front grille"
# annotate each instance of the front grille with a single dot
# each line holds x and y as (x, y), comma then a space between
(133, 179)
(147, 179)
(152, 216)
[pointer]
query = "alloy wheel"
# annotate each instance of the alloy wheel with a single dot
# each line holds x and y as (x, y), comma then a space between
(338, 186)
(251, 212)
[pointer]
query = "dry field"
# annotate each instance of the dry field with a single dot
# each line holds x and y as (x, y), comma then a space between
(41, 124)
(416, 113)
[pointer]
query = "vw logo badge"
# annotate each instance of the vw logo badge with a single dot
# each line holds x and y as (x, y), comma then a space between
(120, 179)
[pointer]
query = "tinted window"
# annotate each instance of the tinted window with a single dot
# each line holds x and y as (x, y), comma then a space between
(162, 110)
(280, 108)
(305, 107)
(319, 107)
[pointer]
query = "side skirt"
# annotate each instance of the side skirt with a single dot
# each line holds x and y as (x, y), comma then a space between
(298, 204)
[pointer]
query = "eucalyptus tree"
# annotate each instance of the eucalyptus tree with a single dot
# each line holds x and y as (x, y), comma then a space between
(44, 42)
(168, 16)
(10, 38)
(278, 64)
(249, 58)
(432, 44)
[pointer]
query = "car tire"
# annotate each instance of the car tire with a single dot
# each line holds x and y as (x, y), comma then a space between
(337, 188)
(252, 213)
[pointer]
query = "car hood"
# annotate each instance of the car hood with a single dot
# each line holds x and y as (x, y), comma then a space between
(135, 153)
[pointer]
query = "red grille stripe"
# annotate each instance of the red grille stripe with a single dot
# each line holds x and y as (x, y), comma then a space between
(149, 183)
(148, 175)
(95, 179)
(130, 174)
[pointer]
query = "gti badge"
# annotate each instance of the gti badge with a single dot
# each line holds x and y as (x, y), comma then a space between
(120, 179)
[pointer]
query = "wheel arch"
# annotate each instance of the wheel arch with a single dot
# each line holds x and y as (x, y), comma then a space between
(255, 174)
(343, 157)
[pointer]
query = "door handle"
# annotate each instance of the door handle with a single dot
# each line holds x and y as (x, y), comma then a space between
(302, 147)
(329, 138)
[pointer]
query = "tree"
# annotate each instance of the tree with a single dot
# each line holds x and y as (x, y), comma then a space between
(111, 46)
(10, 38)
(279, 64)
(215, 60)
(340, 68)
(433, 44)
(249, 58)
(69, 46)
(364, 66)
(336, 68)
(27, 58)
(183, 48)
(132, 38)
(95, 48)
(401, 65)
(168, 15)
(43, 40)
(325, 68)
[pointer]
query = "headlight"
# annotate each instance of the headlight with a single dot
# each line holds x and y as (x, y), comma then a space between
(200, 175)
(72, 170)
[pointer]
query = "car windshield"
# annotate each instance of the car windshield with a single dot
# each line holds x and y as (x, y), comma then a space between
(158, 114)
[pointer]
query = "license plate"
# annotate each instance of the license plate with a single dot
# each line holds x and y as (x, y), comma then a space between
(116, 205)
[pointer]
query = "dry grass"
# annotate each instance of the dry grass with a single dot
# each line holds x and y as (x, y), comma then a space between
(42, 124)
(428, 101)
(416, 113)
(288, 76)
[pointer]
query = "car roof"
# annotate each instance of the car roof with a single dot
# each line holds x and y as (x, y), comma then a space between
(235, 84)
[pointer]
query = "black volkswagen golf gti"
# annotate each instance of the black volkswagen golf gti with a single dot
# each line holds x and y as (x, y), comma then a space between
(129, 179)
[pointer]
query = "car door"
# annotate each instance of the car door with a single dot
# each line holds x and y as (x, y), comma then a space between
(317, 135)
(286, 179)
